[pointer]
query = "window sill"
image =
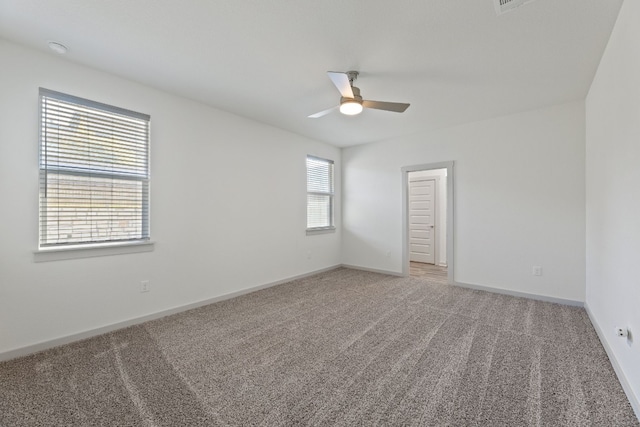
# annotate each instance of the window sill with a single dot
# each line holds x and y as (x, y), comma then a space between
(90, 251)
(323, 230)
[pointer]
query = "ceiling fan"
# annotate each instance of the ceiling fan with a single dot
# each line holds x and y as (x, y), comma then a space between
(351, 103)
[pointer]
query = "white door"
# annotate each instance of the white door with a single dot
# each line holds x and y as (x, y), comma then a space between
(422, 200)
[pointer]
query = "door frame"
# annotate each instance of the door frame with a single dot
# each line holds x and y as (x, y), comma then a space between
(450, 214)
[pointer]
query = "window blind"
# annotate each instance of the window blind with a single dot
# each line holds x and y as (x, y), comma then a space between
(319, 193)
(94, 172)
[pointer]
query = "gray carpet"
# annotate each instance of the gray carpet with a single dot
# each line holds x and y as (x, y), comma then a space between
(340, 348)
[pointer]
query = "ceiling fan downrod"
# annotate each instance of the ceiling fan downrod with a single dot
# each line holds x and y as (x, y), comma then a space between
(353, 76)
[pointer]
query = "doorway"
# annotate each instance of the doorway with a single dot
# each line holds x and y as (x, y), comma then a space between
(428, 221)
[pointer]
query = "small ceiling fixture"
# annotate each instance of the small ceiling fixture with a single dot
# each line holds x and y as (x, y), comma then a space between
(58, 48)
(504, 6)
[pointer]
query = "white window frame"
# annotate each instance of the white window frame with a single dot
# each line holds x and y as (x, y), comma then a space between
(330, 194)
(101, 246)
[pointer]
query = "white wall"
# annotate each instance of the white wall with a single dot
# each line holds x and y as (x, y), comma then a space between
(228, 207)
(441, 210)
(613, 195)
(519, 200)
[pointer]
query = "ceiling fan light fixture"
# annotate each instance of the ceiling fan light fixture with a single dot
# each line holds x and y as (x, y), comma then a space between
(351, 107)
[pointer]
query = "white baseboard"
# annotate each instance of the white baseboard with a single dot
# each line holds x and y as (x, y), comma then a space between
(372, 270)
(483, 288)
(521, 294)
(633, 399)
(56, 342)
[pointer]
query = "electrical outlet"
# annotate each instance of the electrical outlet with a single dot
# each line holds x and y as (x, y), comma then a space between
(537, 270)
(145, 286)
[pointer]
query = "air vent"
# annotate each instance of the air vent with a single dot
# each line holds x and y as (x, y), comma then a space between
(504, 6)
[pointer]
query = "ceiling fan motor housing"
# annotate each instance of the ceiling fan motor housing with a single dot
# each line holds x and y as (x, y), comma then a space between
(356, 96)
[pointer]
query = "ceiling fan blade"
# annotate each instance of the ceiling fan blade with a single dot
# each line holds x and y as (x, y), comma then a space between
(322, 113)
(387, 106)
(341, 80)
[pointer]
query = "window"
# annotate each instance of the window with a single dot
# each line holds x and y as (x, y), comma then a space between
(319, 194)
(94, 172)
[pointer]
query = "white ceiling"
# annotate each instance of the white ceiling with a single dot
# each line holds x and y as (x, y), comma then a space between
(454, 61)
